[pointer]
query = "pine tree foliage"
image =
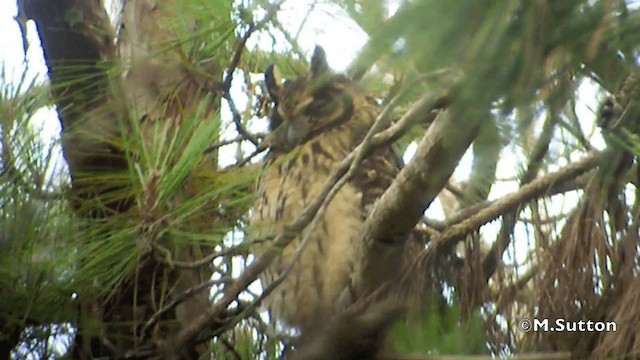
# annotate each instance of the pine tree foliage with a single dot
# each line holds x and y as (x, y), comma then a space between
(138, 248)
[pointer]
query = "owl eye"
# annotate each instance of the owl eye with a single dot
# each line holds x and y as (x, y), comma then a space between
(319, 107)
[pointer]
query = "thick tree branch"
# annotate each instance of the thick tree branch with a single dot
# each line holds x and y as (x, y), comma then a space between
(403, 204)
(399, 209)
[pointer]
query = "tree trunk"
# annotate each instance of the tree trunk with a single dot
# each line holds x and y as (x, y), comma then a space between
(94, 101)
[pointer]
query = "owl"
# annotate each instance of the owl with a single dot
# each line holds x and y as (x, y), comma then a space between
(315, 121)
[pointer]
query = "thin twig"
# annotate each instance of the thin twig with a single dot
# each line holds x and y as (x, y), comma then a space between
(295, 47)
(235, 61)
(255, 153)
(175, 302)
(305, 19)
(232, 251)
(237, 120)
(237, 54)
(237, 139)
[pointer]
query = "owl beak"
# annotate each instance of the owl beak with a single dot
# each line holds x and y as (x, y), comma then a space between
(294, 135)
(286, 136)
(278, 140)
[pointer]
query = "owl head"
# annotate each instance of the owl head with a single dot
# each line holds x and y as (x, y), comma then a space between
(308, 106)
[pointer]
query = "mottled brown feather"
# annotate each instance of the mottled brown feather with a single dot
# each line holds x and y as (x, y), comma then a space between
(316, 121)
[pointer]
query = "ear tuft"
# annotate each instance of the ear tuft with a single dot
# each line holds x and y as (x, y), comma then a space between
(273, 81)
(318, 65)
